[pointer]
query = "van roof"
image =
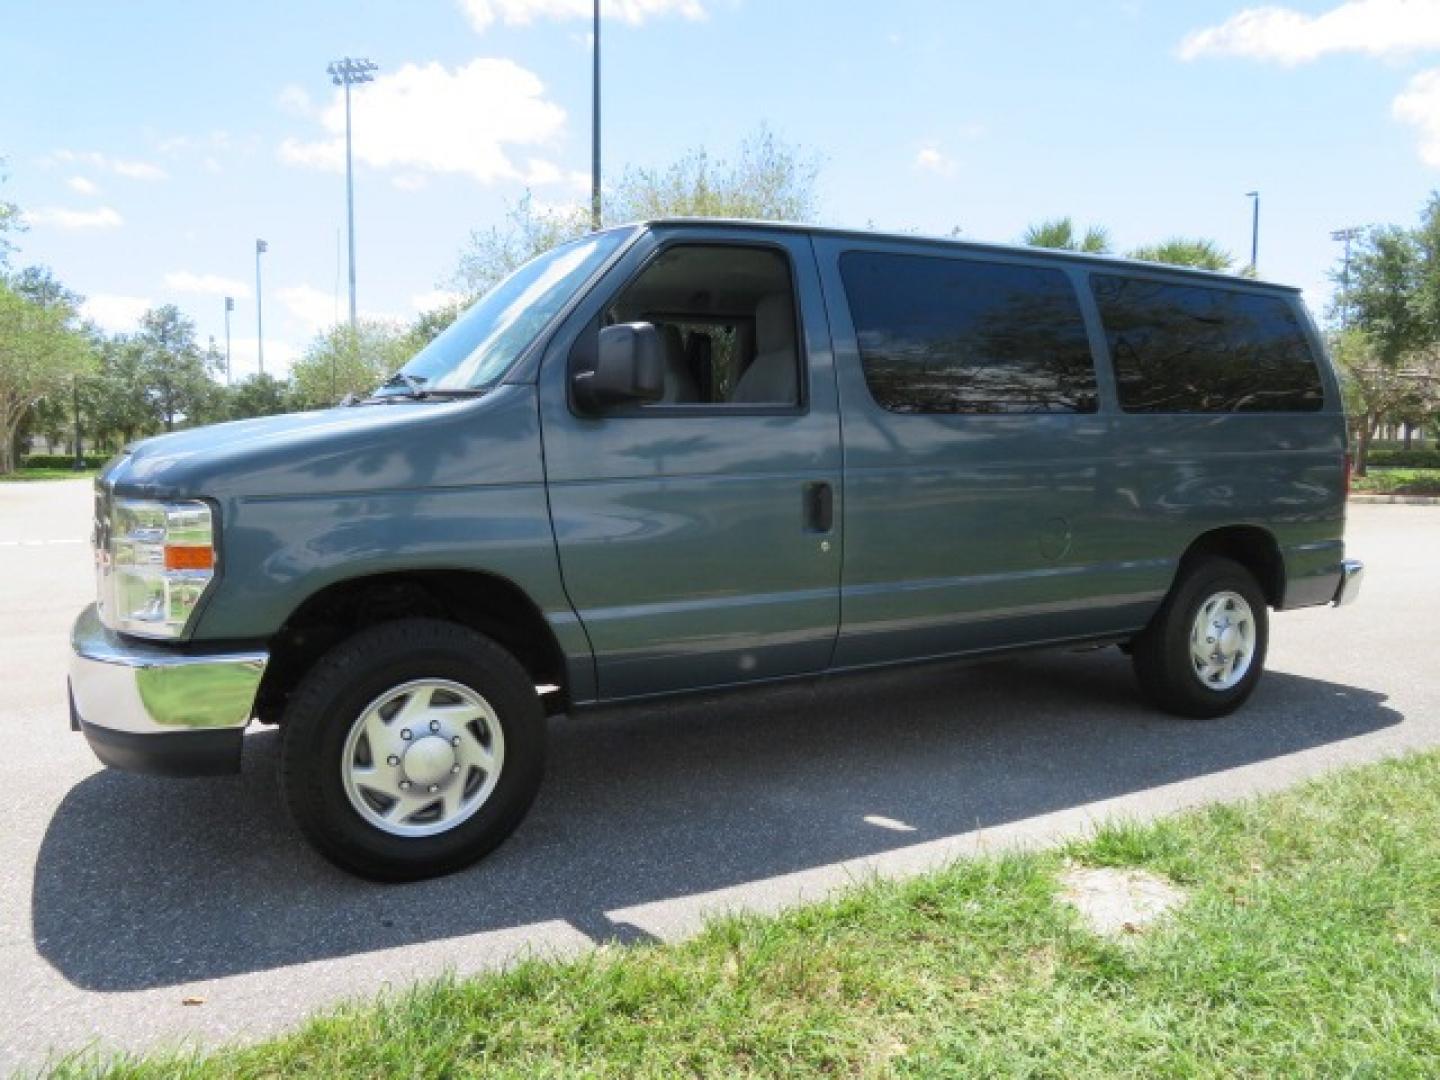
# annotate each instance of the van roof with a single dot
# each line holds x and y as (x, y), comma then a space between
(1111, 261)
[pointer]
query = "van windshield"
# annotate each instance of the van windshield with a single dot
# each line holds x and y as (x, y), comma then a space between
(477, 349)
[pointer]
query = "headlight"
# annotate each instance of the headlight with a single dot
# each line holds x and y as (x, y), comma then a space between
(153, 561)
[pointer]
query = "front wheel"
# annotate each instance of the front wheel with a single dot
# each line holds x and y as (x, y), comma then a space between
(1204, 651)
(412, 749)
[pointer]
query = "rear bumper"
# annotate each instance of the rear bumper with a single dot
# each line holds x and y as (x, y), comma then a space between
(160, 709)
(1352, 575)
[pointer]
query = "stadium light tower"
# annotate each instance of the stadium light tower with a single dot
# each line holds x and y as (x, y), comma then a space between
(348, 72)
(595, 126)
(1346, 236)
(260, 248)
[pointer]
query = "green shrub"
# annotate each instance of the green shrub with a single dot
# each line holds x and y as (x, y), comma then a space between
(1405, 459)
(62, 461)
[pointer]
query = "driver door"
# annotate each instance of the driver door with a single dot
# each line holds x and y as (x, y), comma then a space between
(699, 536)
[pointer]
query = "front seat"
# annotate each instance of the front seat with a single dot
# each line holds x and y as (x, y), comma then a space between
(679, 383)
(771, 378)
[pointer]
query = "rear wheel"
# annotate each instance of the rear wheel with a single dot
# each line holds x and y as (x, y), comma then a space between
(412, 749)
(1204, 651)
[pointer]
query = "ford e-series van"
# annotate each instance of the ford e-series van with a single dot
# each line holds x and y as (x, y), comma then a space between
(698, 454)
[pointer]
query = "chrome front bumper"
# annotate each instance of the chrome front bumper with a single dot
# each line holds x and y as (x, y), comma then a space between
(1352, 575)
(155, 708)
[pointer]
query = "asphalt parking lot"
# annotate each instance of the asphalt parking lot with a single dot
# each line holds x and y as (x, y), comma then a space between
(123, 897)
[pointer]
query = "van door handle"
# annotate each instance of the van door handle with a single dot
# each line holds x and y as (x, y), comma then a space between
(819, 507)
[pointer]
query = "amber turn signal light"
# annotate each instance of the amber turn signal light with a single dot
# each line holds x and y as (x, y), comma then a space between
(189, 558)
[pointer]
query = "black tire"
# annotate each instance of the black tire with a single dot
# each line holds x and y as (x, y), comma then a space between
(1161, 652)
(337, 690)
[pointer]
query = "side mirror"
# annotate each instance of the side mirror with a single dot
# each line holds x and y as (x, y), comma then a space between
(629, 367)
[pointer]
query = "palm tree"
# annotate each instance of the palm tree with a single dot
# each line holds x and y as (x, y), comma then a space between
(1060, 233)
(1181, 251)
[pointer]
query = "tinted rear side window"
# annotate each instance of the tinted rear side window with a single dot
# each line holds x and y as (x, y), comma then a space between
(1194, 349)
(941, 335)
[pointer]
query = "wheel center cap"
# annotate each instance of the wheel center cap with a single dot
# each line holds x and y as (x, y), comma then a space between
(428, 760)
(1229, 640)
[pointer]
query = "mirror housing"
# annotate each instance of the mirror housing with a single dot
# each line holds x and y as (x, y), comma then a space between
(629, 368)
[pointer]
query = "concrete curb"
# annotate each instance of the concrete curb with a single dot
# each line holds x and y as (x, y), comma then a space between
(1407, 500)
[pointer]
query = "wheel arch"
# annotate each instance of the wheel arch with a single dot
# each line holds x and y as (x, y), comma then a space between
(487, 602)
(1253, 547)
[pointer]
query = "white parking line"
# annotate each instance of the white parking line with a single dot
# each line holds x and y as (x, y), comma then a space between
(37, 543)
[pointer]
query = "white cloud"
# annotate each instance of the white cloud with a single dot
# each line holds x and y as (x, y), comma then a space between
(82, 186)
(1419, 106)
(206, 284)
(280, 356)
(117, 314)
(482, 13)
(436, 298)
(1287, 36)
(313, 308)
(411, 181)
(102, 217)
(129, 168)
(429, 118)
(932, 160)
(295, 99)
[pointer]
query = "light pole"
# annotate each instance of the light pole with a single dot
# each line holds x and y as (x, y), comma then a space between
(1346, 236)
(260, 248)
(229, 307)
(1254, 196)
(595, 128)
(347, 73)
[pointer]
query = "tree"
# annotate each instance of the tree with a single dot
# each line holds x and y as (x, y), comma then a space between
(258, 395)
(342, 361)
(1182, 251)
(10, 223)
(1385, 284)
(1060, 233)
(1376, 390)
(170, 366)
(41, 354)
(769, 180)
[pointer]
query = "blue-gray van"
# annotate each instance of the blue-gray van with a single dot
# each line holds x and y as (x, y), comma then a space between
(700, 454)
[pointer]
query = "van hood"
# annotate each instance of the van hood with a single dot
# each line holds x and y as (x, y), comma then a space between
(353, 448)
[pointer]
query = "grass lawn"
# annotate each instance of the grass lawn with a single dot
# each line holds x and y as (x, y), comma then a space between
(21, 475)
(1398, 482)
(1310, 946)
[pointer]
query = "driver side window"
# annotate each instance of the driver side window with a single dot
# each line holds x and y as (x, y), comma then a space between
(726, 320)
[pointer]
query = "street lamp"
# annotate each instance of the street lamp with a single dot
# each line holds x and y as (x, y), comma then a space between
(260, 248)
(1254, 196)
(1346, 236)
(595, 127)
(229, 307)
(347, 73)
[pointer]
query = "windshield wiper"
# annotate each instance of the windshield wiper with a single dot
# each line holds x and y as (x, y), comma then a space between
(414, 389)
(414, 384)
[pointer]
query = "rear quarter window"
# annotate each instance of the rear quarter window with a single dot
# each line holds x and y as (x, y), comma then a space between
(945, 335)
(1200, 349)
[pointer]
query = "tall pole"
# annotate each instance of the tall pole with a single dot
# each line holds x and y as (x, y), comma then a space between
(595, 128)
(229, 307)
(260, 248)
(349, 205)
(347, 72)
(1346, 236)
(1254, 196)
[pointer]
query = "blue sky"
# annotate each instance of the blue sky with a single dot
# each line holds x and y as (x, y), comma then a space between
(151, 144)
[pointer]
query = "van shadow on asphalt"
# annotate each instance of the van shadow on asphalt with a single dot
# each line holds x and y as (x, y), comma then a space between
(144, 882)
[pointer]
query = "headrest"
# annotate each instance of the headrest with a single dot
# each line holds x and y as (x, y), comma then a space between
(775, 324)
